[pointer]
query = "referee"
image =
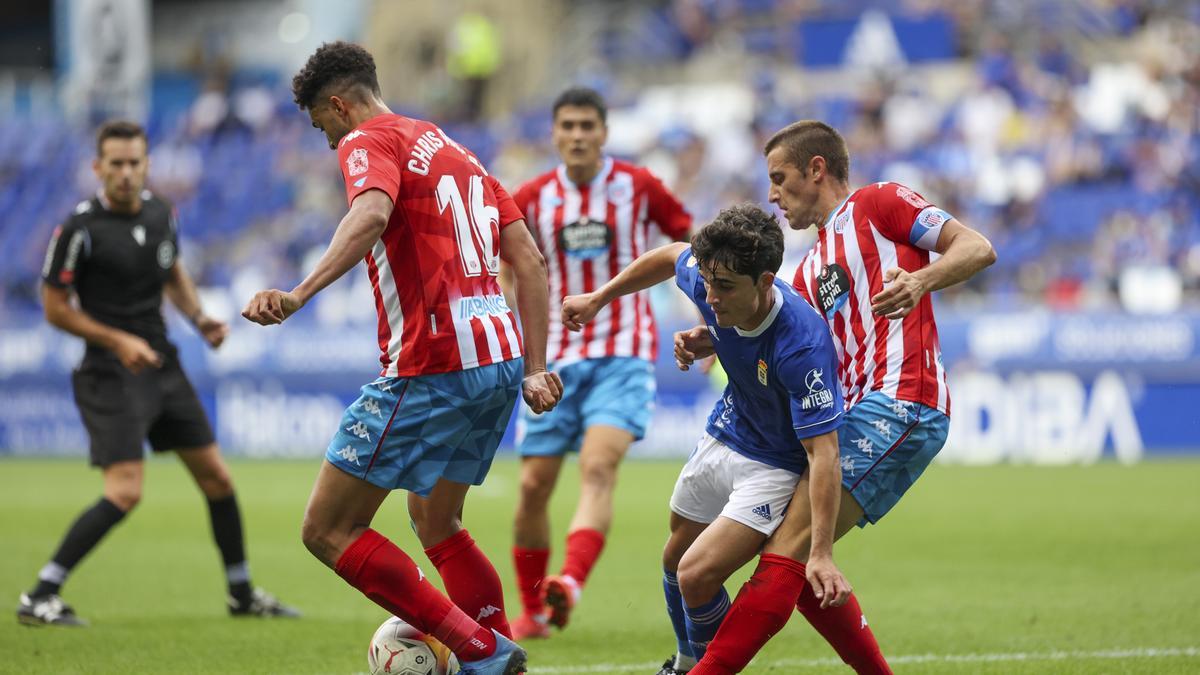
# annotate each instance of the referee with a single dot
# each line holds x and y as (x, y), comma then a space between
(118, 254)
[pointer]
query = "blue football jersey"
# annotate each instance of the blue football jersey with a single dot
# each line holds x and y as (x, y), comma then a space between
(783, 382)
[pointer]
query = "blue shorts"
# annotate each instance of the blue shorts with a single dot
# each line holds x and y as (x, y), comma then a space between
(408, 432)
(885, 445)
(615, 391)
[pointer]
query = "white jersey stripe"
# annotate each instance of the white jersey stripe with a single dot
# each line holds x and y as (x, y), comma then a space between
(391, 305)
(548, 200)
(895, 341)
(489, 332)
(644, 323)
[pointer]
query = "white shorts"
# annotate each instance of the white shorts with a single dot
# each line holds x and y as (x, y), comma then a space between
(716, 481)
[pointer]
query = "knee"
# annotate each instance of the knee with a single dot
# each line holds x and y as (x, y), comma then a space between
(125, 497)
(536, 488)
(432, 528)
(219, 485)
(598, 474)
(697, 583)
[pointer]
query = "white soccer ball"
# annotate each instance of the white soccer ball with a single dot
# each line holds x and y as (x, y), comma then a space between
(400, 649)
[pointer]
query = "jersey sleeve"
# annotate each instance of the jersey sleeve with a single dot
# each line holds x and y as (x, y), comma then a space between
(666, 210)
(809, 373)
(65, 257)
(904, 216)
(687, 274)
(369, 162)
(509, 212)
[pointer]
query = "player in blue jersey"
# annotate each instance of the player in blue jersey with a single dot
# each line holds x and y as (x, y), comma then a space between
(776, 421)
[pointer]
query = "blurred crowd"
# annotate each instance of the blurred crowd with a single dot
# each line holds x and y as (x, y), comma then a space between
(1076, 150)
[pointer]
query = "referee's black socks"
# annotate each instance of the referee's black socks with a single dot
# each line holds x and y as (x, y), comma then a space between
(227, 530)
(87, 531)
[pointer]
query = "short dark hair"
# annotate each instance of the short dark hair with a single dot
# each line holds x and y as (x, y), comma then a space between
(806, 139)
(340, 66)
(744, 238)
(117, 129)
(583, 97)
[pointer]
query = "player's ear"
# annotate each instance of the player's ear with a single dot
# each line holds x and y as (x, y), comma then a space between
(816, 167)
(765, 281)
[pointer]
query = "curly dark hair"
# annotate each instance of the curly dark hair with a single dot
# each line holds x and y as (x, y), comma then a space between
(340, 66)
(743, 238)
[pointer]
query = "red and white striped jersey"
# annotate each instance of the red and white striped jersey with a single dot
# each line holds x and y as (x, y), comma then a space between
(877, 228)
(434, 270)
(589, 233)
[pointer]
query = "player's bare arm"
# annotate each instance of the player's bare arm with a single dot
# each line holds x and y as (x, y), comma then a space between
(356, 234)
(518, 252)
(964, 252)
(134, 353)
(654, 267)
(181, 291)
(824, 493)
(691, 345)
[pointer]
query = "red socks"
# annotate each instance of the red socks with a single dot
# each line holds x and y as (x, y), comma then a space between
(583, 548)
(845, 628)
(531, 565)
(391, 579)
(761, 610)
(471, 581)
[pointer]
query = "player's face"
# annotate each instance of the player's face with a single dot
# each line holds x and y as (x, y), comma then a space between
(793, 190)
(329, 119)
(121, 168)
(735, 299)
(579, 135)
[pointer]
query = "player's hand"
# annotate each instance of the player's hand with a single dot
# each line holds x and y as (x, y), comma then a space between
(579, 309)
(902, 294)
(694, 344)
(271, 307)
(136, 354)
(213, 331)
(542, 390)
(827, 582)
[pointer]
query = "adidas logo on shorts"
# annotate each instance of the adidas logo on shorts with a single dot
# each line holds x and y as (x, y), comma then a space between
(763, 511)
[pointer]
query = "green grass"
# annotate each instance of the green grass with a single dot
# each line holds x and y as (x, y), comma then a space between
(996, 562)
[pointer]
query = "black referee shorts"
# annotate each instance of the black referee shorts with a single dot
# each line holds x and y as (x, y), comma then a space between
(121, 410)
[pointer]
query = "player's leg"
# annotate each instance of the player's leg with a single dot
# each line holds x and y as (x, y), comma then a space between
(600, 454)
(531, 541)
(115, 428)
(122, 491)
(337, 531)
(470, 578)
(212, 476)
(615, 408)
(765, 602)
(684, 531)
(542, 442)
(724, 547)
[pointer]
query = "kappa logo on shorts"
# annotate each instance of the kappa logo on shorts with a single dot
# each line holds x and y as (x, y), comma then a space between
(848, 465)
(884, 428)
(372, 406)
(762, 511)
(900, 409)
(350, 454)
(359, 429)
(865, 445)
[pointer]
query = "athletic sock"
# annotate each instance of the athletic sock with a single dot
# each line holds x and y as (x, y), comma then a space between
(678, 616)
(583, 548)
(83, 535)
(703, 622)
(761, 610)
(471, 581)
(531, 565)
(845, 629)
(227, 531)
(386, 575)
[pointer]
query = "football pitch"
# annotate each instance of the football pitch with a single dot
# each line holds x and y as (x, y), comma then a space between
(979, 570)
